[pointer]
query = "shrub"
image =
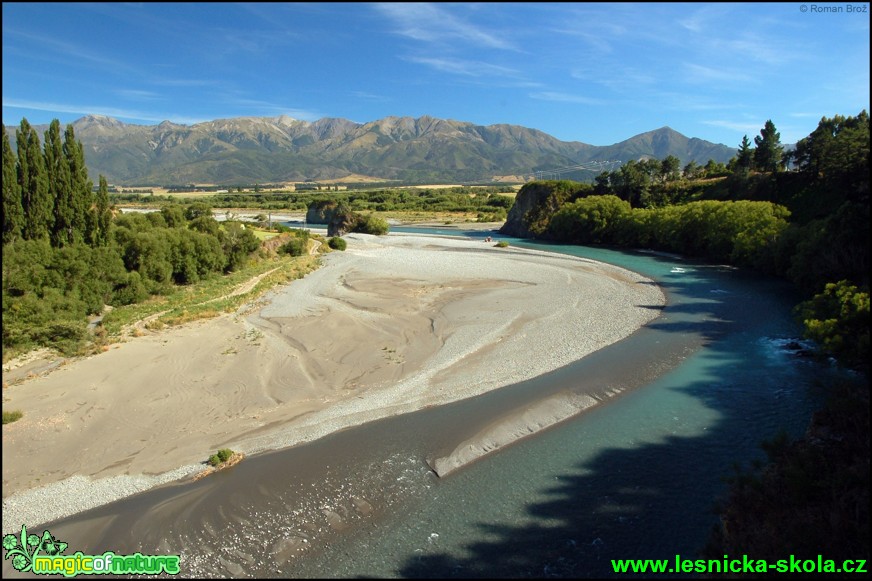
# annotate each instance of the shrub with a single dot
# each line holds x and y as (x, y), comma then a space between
(294, 247)
(370, 224)
(838, 320)
(337, 243)
(13, 416)
(222, 456)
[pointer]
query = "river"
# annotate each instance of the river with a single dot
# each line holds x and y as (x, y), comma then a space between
(686, 397)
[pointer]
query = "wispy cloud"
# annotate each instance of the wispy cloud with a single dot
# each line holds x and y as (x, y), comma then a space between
(701, 20)
(616, 78)
(565, 98)
(369, 96)
(68, 52)
(702, 74)
(138, 95)
(766, 50)
(434, 24)
(464, 67)
(747, 127)
(99, 110)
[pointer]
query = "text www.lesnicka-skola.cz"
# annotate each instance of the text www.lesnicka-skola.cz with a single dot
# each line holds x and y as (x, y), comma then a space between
(744, 565)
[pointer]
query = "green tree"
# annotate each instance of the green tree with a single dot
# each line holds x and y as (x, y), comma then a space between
(60, 187)
(198, 209)
(603, 184)
(745, 155)
(13, 213)
(692, 170)
(174, 215)
(238, 243)
(768, 152)
(632, 182)
(836, 154)
(82, 201)
(35, 200)
(99, 234)
(670, 168)
(714, 168)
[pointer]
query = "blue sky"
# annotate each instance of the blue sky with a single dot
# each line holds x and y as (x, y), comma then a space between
(596, 73)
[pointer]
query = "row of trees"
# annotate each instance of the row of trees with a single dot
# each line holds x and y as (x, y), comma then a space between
(484, 201)
(46, 190)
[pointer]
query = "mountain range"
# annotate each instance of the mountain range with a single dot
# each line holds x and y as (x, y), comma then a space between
(248, 150)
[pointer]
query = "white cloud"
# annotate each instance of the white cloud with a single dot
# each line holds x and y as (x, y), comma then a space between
(431, 23)
(99, 110)
(464, 67)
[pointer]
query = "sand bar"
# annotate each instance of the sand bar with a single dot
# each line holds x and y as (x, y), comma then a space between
(391, 325)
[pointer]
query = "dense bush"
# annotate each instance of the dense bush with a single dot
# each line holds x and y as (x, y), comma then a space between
(337, 243)
(13, 416)
(743, 233)
(370, 224)
(838, 320)
(48, 292)
(295, 246)
(591, 220)
(222, 456)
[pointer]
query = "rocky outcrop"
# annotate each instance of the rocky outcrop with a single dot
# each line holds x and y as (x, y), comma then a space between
(338, 217)
(320, 212)
(534, 205)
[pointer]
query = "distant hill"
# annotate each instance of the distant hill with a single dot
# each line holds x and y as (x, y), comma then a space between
(246, 150)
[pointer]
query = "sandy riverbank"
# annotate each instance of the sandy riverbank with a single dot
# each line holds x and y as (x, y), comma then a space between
(392, 325)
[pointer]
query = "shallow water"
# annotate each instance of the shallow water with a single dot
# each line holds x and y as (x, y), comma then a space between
(637, 477)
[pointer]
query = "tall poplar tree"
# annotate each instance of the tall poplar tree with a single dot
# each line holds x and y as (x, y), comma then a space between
(13, 213)
(82, 187)
(768, 153)
(103, 215)
(35, 201)
(59, 187)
